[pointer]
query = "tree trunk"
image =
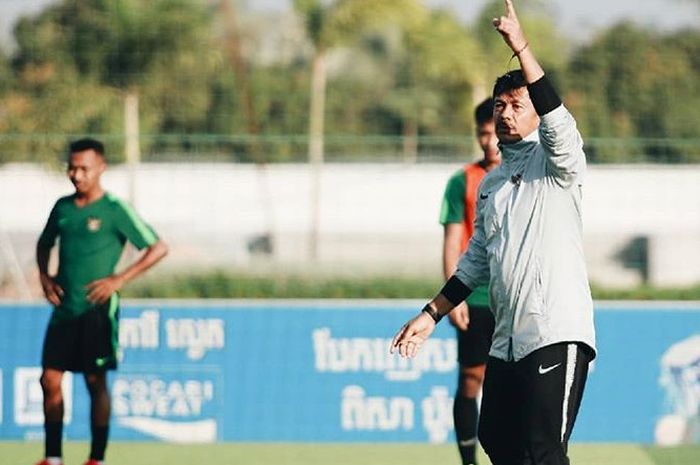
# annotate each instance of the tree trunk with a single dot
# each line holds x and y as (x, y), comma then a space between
(233, 47)
(131, 135)
(316, 117)
(245, 94)
(410, 140)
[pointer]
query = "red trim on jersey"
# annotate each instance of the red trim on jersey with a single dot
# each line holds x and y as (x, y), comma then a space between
(473, 174)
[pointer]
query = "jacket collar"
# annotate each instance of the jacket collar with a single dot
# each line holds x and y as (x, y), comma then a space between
(522, 148)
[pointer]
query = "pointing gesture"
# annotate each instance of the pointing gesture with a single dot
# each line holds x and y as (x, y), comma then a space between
(509, 27)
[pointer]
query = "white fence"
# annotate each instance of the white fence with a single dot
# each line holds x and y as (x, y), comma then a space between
(641, 222)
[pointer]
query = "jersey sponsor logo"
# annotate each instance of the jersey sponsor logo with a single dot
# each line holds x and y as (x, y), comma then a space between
(484, 196)
(543, 371)
(359, 354)
(94, 224)
(174, 410)
(360, 412)
(29, 399)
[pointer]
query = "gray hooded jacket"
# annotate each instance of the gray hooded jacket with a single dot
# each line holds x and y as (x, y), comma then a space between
(527, 242)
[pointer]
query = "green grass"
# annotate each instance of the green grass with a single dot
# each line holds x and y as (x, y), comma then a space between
(233, 284)
(140, 453)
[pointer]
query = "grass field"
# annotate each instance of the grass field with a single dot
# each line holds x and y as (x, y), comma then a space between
(135, 453)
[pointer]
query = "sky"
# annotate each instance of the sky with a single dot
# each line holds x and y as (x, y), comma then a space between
(581, 18)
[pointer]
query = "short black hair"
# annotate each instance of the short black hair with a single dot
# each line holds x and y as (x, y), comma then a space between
(484, 112)
(86, 143)
(510, 81)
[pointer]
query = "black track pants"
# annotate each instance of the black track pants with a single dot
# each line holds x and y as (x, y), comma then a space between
(529, 407)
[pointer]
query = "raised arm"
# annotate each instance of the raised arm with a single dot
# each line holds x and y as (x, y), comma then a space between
(509, 27)
(558, 132)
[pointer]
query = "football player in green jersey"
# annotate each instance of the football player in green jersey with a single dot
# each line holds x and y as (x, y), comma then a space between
(93, 227)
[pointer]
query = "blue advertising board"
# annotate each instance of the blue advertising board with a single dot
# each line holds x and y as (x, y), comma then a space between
(320, 371)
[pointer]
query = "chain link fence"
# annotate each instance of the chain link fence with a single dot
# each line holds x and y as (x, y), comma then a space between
(337, 148)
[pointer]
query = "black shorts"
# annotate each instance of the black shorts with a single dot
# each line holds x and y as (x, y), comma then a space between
(473, 345)
(87, 343)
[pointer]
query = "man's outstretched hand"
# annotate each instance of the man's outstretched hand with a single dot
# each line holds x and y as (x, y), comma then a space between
(509, 27)
(412, 335)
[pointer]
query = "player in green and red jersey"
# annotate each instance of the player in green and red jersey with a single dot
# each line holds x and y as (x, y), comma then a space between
(92, 227)
(473, 319)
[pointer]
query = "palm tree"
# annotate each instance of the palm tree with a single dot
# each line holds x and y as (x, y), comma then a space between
(328, 25)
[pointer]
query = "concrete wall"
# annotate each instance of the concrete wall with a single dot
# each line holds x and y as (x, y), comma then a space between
(373, 217)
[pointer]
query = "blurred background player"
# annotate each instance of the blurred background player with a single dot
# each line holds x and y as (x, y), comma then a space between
(472, 319)
(93, 227)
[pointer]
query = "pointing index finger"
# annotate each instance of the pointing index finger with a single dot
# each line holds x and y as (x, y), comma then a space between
(510, 9)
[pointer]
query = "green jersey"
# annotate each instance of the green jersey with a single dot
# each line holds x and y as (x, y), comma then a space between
(453, 211)
(91, 241)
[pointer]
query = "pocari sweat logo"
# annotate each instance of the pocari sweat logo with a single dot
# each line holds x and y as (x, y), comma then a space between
(359, 354)
(170, 409)
(29, 399)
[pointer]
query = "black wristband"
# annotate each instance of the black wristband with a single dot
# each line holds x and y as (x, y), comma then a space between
(543, 96)
(432, 312)
(455, 291)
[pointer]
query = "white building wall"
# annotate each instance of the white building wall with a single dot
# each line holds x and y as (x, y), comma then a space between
(373, 217)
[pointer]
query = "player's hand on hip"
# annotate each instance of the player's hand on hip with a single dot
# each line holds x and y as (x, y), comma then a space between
(99, 291)
(459, 317)
(509, 27)
(52, 291)
(412, 335)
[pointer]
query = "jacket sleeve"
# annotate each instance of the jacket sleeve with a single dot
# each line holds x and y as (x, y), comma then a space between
(473, 265)
(560, 139)
(563, 146)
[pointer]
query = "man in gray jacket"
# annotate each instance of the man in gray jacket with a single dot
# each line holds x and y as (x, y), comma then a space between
(527, 245)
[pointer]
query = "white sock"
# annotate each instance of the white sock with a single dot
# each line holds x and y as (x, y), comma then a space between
(54, 460)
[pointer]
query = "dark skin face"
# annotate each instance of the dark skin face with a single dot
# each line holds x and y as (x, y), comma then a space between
(84, 170)
(514, 115)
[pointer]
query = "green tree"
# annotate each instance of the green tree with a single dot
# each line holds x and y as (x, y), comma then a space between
(440, 66)
(331, 24)
(328, 25)
(80, 58)
(634, 83)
